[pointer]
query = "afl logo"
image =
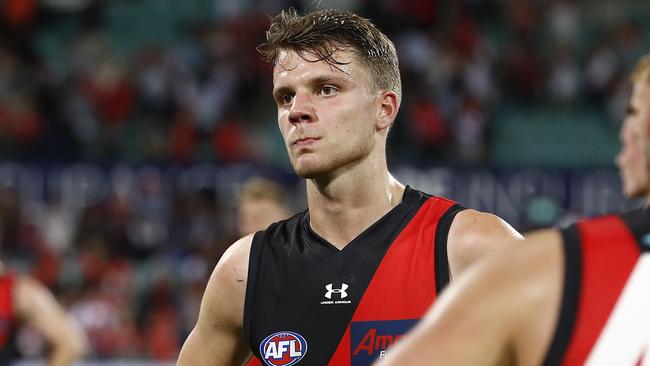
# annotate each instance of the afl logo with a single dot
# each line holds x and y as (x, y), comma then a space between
(283, 349)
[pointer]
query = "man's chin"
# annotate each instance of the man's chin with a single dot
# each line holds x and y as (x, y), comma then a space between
(308, 171)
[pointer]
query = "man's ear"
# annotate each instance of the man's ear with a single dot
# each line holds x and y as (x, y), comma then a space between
(389, 104)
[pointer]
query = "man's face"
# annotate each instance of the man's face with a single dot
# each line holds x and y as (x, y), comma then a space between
(258, 214)
(632, 160)
(326, 115)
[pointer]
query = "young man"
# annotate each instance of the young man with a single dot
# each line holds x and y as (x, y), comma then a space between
(631, 160)
(572, 297)
(333, 284)
(26, 301)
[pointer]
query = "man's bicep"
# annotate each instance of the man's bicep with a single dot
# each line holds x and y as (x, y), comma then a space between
(217, 338)
(208, 344)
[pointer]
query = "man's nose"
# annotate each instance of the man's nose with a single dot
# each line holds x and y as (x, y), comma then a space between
(302, 109)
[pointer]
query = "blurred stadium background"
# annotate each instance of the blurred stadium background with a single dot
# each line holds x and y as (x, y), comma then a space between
(127, 127)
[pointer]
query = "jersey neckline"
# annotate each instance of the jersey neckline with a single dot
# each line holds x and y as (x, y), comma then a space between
(368, 236)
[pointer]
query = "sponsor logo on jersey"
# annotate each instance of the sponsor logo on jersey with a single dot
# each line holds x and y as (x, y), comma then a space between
(335, 295)
(370, 340)
(283, 349)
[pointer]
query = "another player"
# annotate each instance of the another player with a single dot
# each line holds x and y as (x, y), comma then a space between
(571, 297)
(25, 301)
(631, 160)
(261, 202)
(333, 284)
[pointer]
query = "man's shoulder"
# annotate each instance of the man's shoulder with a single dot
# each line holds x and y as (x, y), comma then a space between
(633, 226)
(473, 222)
(235, 256)
(474, 234)
(471, 227)
(232, 269)
(224, 295)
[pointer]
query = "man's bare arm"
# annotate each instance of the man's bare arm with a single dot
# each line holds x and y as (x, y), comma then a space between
(36, 306)
(501, 311)
(474, 235)
(217, 338)
(462, 328)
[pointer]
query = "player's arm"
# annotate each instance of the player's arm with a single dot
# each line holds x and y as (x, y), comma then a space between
(501, 311)
(37, 307)
(466, 326)
(474, 235)
(217, 338)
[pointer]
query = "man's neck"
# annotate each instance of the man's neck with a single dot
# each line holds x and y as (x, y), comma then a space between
(345, 206)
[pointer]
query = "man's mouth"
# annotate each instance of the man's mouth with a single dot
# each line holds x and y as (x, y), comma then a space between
(305, 141)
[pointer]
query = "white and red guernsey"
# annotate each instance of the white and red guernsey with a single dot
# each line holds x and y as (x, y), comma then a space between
(605, 312)
(309, 303)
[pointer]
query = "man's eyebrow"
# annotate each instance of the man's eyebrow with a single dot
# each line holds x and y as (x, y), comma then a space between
(281, 90)
(325, 79)
(316, 81)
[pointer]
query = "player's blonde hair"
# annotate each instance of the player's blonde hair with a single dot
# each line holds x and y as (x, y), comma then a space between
(262, 189)
(641, 72)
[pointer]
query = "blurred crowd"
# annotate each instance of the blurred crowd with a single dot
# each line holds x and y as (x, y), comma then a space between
(132, 270)
(132, 267)
(203, 94)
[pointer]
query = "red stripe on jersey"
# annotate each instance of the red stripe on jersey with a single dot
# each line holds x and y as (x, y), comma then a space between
(404, 285)
(609, 253)
(6, 308)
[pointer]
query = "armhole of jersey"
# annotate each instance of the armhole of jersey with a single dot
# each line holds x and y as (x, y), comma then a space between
(251, 284)
(440, 246)
(637, 223)
(570, 296)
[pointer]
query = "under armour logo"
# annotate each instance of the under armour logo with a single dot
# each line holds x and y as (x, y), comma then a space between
(331, 290)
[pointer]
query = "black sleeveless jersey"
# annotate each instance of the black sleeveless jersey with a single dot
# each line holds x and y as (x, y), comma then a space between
(604, 318)
(309, 303)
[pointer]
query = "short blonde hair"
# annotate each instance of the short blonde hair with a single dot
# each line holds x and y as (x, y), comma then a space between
(641, 72)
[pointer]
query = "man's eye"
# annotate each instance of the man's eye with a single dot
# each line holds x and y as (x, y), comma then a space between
(286, 98)
(328, 90)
